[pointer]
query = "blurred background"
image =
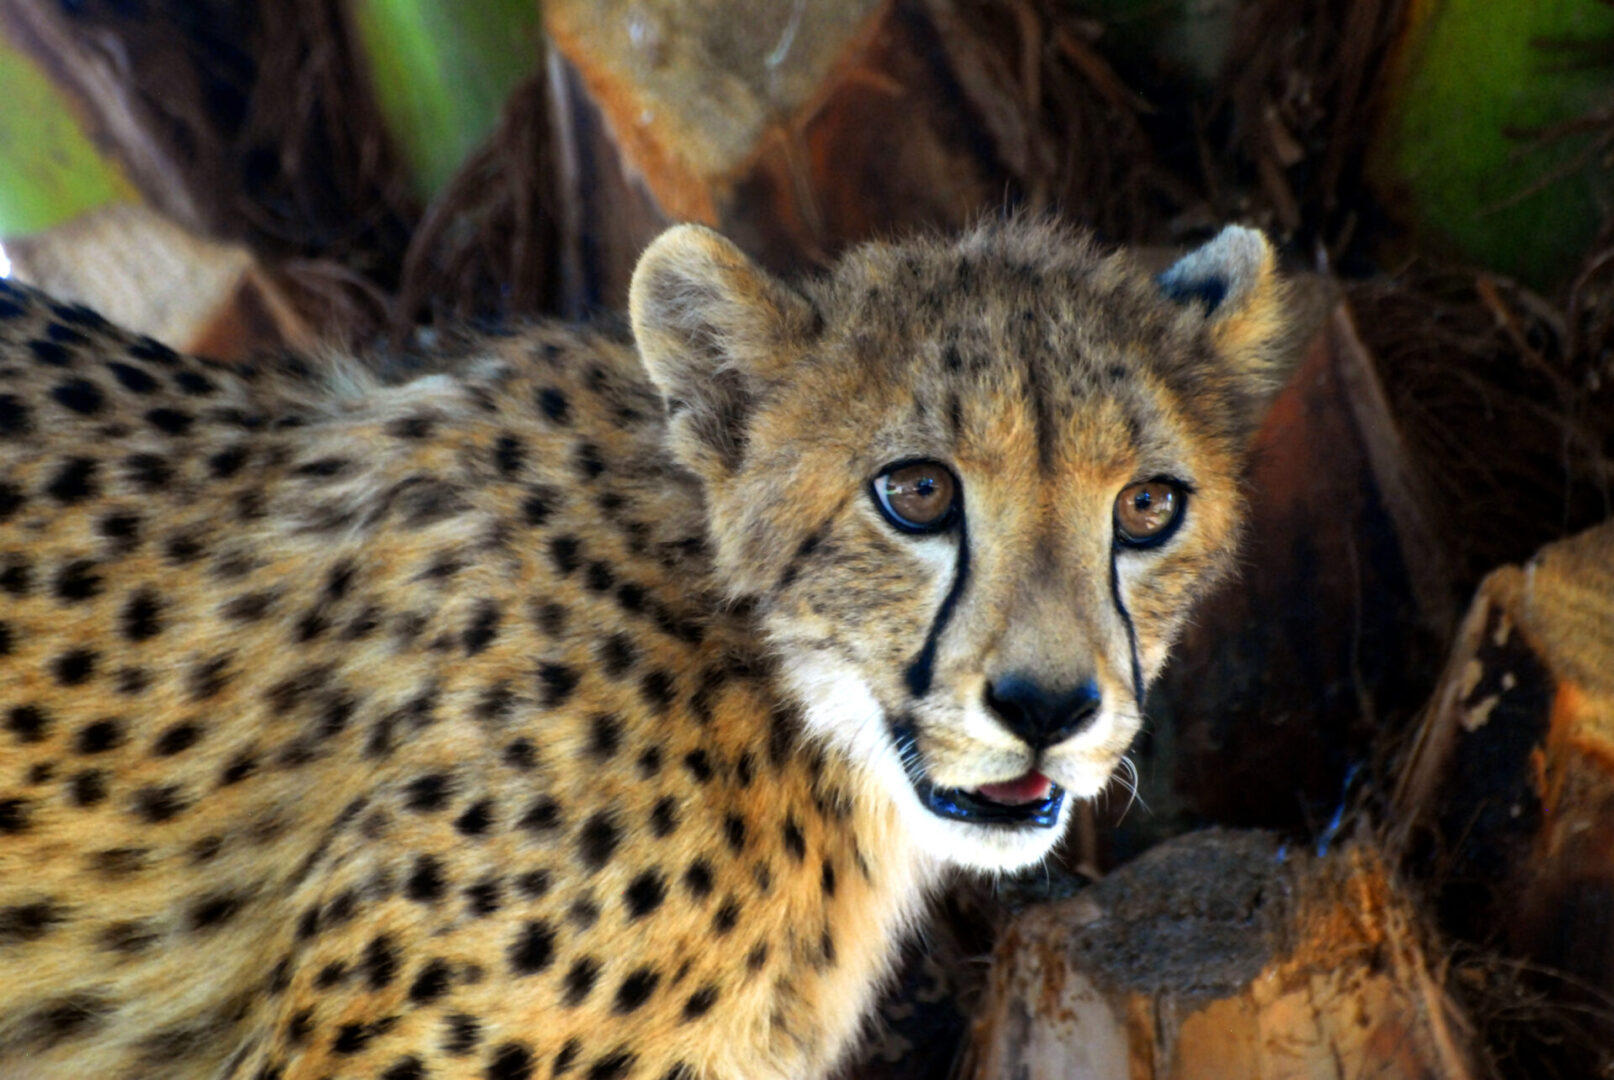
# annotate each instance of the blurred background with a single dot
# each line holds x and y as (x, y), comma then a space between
(1379, 774)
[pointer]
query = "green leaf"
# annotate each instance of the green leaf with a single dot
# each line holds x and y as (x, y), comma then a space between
(1455, 156)
(50, 172)
(441, 69)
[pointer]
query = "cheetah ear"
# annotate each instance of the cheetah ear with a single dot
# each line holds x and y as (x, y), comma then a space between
(714, 331)
(1233, 280)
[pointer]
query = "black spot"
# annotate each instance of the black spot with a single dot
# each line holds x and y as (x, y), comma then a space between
(650, 762)
(210, 677)
(149, 472)
(78, 581)
(745, 769)
(484, 898)
(698, 879)
(133, 379)
(617, 654)
(533, 884)
(63, 1019)
(631, 598)
(178, 738)
(551, 619)
(699, 765)
(564, 553)
(194, 383)
(249, 607)
(28, 723)
(170, 421)
(118, 862)
(599, 577)
(29, 922)
(476, 820)
(7, 639)
(636, 989)
(128, 936)
(405, 1068)
(553, 404)
(826, 949)
(81, 396)
(509, 454)
(98, 737)
(521, 755)
(664, 816)
(533, 949)
(11, 500)
(644, 894)
(757, 957)
(241, 767)
(49, 352)
(598, 840)
(618, 1064)
(213, 911)
(74, 482)
(322, 468)
(462, 1034)
(14, 814)
(583, 913)
(605, 735)
(567, 1057)
(580, 979)
(410, 427)
(429, 794)
(122, 529)
(542, 816)
(700, 1002)
(39, 772)
(380, 962)
(431, 983)
(157, 803)
(512, 1061)
(133, 680)
(182, 549)
(15, 419)
(141, 616)
(734, 832)
(795, 843)
(425, 882)
(726, 917)
(351, 1038)
(657, 689)
(556, 683)
(587, 461)
(154, 350)
(827, 880)
(87, 788)
(483, 629)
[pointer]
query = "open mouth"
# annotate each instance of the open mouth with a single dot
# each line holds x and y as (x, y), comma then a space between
(1032, 799)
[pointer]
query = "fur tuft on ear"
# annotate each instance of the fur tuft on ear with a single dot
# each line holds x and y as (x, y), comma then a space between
(1235, 278)
(714, 330)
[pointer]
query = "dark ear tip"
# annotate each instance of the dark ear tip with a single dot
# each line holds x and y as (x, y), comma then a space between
(1184, 290)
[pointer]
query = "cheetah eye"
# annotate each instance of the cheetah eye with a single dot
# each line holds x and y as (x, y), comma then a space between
(1147, 513)
(919, 497)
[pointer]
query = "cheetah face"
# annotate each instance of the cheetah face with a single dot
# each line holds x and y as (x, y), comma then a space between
(974, 489)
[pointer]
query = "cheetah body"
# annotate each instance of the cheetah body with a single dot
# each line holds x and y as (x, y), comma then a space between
(534, 717)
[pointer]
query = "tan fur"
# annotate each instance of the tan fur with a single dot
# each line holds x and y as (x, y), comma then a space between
(532, 718)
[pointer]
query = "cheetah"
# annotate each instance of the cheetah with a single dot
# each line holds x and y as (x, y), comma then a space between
(587, 704)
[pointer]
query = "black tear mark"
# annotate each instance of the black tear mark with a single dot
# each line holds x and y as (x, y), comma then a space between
(922, 671)
(1131, 631)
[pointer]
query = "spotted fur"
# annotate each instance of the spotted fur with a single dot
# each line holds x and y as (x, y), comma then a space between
(536, 717)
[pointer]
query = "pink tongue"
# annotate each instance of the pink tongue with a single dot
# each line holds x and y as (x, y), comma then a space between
(1032, 787)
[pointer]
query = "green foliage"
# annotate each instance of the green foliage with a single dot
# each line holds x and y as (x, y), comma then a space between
(50, 172)
(1478, 78)
(441, 69)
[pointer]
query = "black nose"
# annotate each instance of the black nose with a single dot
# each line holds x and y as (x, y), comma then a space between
(1039, 715)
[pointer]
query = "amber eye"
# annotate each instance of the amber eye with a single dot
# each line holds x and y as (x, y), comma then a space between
(920, 497)
(1147, 513)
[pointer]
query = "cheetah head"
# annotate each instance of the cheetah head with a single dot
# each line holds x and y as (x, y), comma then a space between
(973, 487)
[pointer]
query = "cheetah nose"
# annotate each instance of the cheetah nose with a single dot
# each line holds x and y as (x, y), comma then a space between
(1039, 715)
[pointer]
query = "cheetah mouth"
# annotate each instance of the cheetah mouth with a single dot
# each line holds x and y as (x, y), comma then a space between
(1028, 800)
